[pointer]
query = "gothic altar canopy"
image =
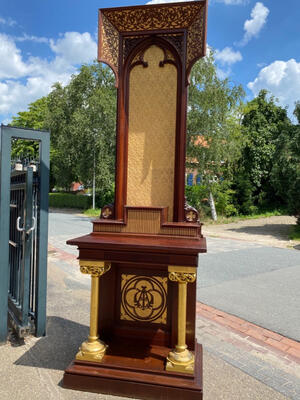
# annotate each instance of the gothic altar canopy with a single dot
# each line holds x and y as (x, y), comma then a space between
(142, 254)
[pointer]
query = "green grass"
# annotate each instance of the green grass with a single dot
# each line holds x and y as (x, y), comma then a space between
(236, 218)
(92, 213)
(295, 233)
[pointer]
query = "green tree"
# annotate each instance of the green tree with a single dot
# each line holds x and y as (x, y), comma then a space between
(82, 117)
(34, 118)
(263, 123)
(213, 125)
(285, 174)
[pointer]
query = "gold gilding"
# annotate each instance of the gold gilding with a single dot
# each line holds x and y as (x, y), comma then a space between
(93, 349)
(144, 298)
(181, 359)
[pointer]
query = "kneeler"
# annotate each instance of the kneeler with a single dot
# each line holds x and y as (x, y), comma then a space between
(142, 254)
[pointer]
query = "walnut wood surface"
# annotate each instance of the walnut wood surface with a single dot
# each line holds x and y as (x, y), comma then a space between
(131, 371)
(137, 243)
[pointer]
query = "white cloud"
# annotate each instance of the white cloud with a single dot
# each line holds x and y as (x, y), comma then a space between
(282, 79)
(11, 63)
(75, 47)
(253, 26)
(24, 81)
(31, 38)
(8, 21)
(228, 56)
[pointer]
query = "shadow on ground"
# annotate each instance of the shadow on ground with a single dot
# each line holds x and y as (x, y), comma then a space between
(58, 348)
(278, 231)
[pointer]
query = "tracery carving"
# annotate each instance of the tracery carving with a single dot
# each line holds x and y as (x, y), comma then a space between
(177, 41)
(152, 18)
(185, 17)
(110, 44)
(129, 43)
(195, 40)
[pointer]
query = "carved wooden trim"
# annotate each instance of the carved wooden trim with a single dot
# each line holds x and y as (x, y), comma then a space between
(161, 19)
(107, 212)
(124, 31)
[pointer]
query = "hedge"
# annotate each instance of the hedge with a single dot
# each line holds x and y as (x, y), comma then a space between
(69, 200)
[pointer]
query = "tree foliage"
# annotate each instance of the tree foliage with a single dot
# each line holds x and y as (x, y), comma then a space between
(263, 123)
(213, 129)
(285, 174)
(82, 118)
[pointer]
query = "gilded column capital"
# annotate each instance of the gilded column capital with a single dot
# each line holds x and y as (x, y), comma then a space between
(94, 268)
(182, 277)
(182, 274)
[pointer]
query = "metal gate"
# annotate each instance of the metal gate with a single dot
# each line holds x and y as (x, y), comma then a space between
(23, 235)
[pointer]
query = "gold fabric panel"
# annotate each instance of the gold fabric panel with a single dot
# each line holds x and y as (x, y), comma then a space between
(152, 130)
(144, 298)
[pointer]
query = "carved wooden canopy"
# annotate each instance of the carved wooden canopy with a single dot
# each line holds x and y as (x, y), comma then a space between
(151, 50)
(182, 24)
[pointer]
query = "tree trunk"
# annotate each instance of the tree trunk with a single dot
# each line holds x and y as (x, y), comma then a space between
(212, 207)
(94, 184)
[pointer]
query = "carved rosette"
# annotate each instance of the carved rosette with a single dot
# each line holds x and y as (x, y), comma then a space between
(190, 213)
(182, 277)
(94, 269)
(107, 212)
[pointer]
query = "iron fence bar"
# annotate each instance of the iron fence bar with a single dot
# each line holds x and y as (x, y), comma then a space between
(26, 236)
(4, 232)
(42, 234)
(38, 270)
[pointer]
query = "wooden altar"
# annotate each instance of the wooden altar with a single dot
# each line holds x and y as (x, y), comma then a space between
(143, 252)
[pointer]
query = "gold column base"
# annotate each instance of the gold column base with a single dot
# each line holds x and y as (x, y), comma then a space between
(92, 350)
(180, 362)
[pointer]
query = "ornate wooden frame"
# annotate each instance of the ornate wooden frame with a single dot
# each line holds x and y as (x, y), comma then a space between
(134, 247)
(127, 31)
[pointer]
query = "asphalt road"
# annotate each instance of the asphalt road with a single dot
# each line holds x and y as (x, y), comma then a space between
(257, 283)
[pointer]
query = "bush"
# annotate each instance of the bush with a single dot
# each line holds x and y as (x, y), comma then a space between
(69, 200)
(223, 195)
(196, 196)
(104, 198)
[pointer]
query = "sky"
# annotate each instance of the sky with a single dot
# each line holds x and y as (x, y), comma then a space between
(257, 44)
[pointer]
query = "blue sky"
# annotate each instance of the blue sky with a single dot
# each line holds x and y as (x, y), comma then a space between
(257, 44)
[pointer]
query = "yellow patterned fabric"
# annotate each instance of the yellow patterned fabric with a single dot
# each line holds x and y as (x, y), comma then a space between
(152, 130)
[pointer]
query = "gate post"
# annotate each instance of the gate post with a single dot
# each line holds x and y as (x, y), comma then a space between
(5, 143)
(7, 133)
(41, 292)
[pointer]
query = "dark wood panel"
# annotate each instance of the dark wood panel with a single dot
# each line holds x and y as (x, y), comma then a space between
(161, 244)
(140, 377)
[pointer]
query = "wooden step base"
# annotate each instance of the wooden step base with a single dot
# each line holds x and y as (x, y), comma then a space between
(141, 377)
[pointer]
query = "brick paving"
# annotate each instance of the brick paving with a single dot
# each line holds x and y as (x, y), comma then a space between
(290, 348)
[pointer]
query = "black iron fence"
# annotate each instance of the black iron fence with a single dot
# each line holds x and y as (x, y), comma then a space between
(24, 186)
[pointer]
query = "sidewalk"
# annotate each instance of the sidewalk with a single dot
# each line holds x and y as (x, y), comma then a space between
(34, 370)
